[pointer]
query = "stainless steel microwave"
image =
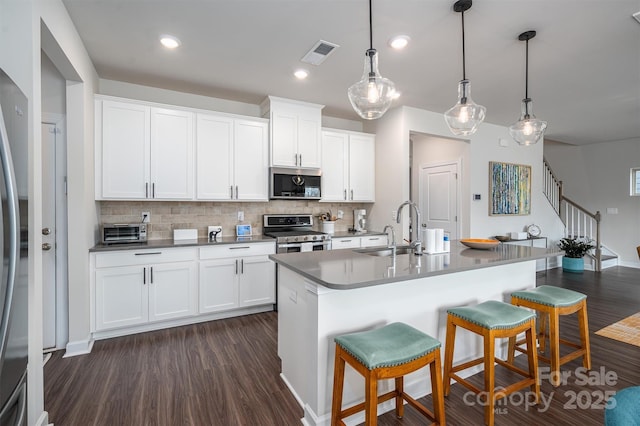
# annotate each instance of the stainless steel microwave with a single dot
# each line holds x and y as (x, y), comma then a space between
(120, 233)
(295, 184)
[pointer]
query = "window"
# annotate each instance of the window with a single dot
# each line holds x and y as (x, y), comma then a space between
(635, 181)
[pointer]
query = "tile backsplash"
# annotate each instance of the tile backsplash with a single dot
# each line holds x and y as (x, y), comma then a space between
(169, 215)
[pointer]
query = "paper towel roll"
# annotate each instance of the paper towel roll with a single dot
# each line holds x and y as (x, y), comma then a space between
(430, 244)
(439, 240)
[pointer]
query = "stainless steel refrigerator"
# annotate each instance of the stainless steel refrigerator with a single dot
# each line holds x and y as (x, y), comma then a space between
(14, 251)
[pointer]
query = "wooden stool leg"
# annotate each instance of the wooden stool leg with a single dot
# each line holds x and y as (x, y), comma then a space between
(532, 356)
(583, 321)
(338, 383)
(436, 389)
(371, 399)
(542, 331)
(554, 343)
(399, 400)
(489, 377)
(448, 356)
(512, 349)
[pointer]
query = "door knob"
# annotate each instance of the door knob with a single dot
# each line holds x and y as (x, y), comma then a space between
(46, 231)
(46, 246)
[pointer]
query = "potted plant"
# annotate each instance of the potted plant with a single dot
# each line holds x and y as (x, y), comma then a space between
(574, 250)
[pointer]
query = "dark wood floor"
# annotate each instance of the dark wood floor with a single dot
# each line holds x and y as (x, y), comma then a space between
(227, 372)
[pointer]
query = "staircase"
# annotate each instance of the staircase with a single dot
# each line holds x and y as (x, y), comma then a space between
(578, 221)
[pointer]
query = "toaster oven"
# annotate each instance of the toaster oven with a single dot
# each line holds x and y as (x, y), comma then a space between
(121, 233)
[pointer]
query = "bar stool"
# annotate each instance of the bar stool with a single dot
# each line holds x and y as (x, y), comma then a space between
(552, 302)
(390, 352)
(492, 320)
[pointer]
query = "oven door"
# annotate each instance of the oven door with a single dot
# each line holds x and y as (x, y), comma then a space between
(303, 247)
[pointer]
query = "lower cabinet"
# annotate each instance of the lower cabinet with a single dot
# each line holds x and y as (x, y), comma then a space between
(243, 277)
(358, 241)
(134, 295)
(139, 290)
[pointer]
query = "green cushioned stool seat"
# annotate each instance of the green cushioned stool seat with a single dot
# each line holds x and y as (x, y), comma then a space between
(391, 345)
(492, 320)
(623, 409)
(493, 315)
(389, 352)
(550, 296)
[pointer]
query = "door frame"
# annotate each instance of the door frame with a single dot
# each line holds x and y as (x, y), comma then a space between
(458, 164)
(61, 236)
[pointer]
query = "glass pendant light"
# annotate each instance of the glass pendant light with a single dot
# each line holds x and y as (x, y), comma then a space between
(465, 116)
(371, 97)
(528, 130)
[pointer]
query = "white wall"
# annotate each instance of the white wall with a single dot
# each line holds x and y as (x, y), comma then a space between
(392, 166)
(54, 88)
(597, 177)
(20, 46)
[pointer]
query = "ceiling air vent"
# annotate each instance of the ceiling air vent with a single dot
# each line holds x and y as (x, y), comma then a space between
(319, 52)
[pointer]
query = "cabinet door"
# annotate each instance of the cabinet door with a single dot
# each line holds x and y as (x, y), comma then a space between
(284, 138)
(250, 159)
(257, 281)
(343, 243)
(214, 145)
(334, 166)
(121, 297)
(373, 240)
(218, 285)
(362, 167)
(309, 143)
(172, 290)
(125, 150)
(172, 173)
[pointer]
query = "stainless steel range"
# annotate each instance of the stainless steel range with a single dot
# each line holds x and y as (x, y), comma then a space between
(294, 233)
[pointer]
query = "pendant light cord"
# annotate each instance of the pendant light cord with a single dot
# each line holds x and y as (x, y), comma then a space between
(526, 72)
(371, 52)
(464, 72)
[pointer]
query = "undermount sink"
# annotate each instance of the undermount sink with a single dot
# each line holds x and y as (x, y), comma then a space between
(386, 251)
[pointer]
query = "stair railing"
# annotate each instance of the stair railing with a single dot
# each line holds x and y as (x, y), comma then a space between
(578, 221)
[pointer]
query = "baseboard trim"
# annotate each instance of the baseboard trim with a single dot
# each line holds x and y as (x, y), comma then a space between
(79, 347)
(629, 264)
(43, 420)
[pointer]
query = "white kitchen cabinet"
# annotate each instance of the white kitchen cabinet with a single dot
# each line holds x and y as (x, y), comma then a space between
(135, 287)
(345, 243)
(358, 241)
(236, 276)
(143, 152)
(295, 132)
(348, 166)
(373, 241)
(232, 158)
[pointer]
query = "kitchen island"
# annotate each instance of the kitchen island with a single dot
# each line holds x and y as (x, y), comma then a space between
(325, 294)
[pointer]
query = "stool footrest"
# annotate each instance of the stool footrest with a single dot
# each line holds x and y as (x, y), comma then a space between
(465, 383)
(467, 364)
(512, 367)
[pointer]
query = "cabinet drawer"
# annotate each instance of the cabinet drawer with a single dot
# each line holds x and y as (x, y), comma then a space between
(343, 243)
(237, 250)
(374, 240)
(145, 256)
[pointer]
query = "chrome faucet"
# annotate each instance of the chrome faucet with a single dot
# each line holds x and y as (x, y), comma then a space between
(416, 245)
(390, 243)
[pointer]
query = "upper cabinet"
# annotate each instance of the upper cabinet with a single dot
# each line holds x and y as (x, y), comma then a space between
(348, 166)
(143, 152)
(295, 132)
(232, 158)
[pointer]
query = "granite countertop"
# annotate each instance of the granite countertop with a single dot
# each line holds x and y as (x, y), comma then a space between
(348, 269)
(170, 243)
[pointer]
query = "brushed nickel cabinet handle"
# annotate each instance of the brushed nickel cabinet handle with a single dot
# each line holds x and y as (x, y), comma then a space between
(144, 276)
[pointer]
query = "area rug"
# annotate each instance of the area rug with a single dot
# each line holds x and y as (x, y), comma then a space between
(626, 330)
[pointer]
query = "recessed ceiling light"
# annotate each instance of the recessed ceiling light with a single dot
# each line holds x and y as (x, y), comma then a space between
(169, 41)
(301, 74)
(399, 42)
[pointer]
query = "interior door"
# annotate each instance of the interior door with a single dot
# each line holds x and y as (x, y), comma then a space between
(439, 201)
(49, 235)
